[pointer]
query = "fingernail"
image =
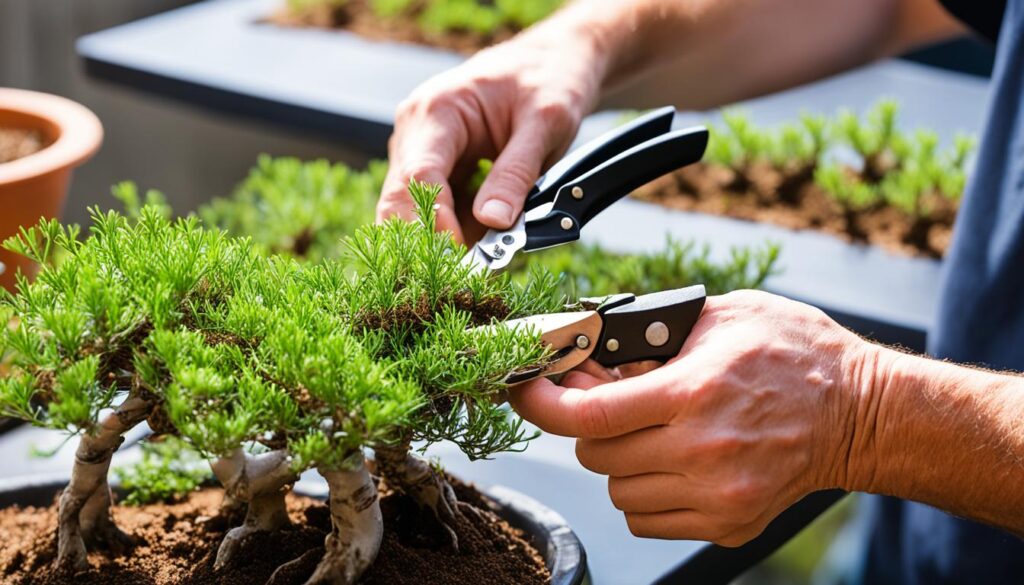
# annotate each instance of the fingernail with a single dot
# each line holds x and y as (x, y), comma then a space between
(497, 211)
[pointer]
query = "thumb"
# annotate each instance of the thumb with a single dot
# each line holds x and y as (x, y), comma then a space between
(503, 193)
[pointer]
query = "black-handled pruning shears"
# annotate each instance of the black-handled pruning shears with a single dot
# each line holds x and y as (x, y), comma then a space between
(623, 329)
(587, 181)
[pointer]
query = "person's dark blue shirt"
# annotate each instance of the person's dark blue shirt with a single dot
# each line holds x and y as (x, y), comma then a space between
(980, 321)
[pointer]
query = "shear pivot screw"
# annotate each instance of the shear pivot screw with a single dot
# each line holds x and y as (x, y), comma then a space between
(582, 342)
(498, 251)
(566, 223)
(577, 192)
(656, 334)
(507, 240)
(612, 345)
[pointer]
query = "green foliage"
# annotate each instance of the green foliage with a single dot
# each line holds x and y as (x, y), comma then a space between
(482, 17)
(873, 135)
(592, 271)
(168, 471)
(299, 208)
(846, 188)
(240, 349)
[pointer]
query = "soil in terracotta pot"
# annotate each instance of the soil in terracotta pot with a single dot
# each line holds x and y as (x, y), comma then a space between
(177, 542)
(790, 198)
(356, 16)
(18, 143)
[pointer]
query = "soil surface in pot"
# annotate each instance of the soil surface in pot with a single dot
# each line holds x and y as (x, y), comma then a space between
(18, 143)
(790, 198)
(356, 16)
(177, 543)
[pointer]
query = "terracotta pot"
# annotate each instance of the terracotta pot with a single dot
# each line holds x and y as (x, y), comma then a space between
(35, 186)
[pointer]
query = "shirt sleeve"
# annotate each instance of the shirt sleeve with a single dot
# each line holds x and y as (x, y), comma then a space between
(985, 17)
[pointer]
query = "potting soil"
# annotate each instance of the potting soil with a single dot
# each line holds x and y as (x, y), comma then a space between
(18, 143)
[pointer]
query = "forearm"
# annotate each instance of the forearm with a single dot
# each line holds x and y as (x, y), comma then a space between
(721, 51)
(945, 435)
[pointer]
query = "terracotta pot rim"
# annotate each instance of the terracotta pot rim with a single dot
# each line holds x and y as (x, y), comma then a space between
(79, 134)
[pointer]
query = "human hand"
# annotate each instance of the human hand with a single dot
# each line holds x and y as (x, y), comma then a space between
(757, 411)
(519, 103)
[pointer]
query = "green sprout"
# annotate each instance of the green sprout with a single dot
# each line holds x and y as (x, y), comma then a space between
(168, 471)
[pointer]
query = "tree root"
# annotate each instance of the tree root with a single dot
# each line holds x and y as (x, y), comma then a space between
(261, 482)
(414, 477)
(357, 527)
(84, 510)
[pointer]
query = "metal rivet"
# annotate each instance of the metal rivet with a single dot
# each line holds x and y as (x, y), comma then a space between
(566, 223)
(612, 345)
(577, 192)
(508, 240)
(657, 334)
(582, 342)
(498, 251)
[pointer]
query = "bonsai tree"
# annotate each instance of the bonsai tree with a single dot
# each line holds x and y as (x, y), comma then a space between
(266, 366)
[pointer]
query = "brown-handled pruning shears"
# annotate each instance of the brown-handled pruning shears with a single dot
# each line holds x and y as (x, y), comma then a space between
(588, 181)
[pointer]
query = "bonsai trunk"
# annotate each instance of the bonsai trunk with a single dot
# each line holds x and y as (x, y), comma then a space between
(414, 477)
(357, 527)
(84, 509)
(261, 482)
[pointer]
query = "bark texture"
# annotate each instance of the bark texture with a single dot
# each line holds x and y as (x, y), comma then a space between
(261, 482)
(415, 477)
(357, 527)
(84, 514)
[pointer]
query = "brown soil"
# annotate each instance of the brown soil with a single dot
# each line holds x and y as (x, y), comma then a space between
(176, 544)
(356, 16)
(791, 199)
(17, 143)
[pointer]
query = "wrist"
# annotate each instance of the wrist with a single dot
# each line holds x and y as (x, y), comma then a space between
(874, 372)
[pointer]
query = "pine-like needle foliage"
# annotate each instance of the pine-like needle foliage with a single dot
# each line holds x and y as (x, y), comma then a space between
(241, 349)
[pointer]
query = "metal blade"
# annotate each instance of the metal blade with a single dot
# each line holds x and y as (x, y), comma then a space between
(572, 336)
(497, 248)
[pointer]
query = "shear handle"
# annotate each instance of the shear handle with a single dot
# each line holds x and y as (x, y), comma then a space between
(597, 151)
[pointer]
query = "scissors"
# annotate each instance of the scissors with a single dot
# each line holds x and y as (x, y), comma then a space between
(588, 181)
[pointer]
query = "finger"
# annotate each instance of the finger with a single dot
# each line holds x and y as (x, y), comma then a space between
(675, 525)
(650, 450)
(653, 492)
(638, 368)
(500, 199)
(581, 380)
(607, 410)
(425, 149)
(597, 371)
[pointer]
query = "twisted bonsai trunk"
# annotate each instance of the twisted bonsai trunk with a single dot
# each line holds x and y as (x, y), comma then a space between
(357, 526)
(415, 477)
(84, 509)
(261, 482)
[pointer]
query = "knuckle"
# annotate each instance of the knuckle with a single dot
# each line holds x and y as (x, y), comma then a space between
(592, 418)
(515, 178)
(741, 497)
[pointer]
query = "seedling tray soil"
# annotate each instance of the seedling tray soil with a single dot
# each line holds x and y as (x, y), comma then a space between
(358, 17)
(791, 199)
(18, 143)
(177, 543)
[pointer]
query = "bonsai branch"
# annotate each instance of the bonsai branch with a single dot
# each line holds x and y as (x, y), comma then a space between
(84, 512)
(357, 527)
(261, 482)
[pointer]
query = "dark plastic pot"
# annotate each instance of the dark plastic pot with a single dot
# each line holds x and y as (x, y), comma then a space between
(547, 530)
